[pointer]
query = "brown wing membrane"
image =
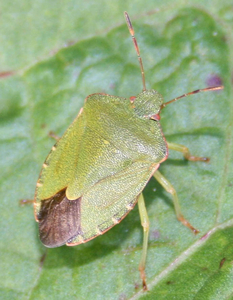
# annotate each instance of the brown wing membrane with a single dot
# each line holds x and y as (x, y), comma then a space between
(59, 220)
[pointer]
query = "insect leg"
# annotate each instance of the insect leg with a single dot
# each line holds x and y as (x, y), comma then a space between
(170, 189)
(145, 224)
(25, 201)
(53, 135)
(186, 152)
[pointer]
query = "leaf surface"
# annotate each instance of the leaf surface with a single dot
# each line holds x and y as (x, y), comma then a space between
(43, 85)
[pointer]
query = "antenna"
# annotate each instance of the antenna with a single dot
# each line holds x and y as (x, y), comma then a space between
(212, 88)
(131, 31)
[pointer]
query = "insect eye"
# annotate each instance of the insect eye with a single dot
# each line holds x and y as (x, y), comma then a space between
(132, 98)
(155, 117)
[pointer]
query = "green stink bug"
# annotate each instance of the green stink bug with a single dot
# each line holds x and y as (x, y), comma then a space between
(95, 174)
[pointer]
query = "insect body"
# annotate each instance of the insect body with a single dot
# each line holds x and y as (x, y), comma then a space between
(116, 150)
(95, 174)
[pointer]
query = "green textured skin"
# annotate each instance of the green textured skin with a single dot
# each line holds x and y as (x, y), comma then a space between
(106, 157)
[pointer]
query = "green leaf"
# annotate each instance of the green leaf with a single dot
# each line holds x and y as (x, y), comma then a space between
(183, 49)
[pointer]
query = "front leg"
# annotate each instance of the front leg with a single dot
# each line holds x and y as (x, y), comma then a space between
(186, 152)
